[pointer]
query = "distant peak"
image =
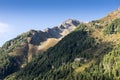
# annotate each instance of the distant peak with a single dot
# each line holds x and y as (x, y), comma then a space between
(46, 30)
(118, 9)
(71, 21)
(32, 30)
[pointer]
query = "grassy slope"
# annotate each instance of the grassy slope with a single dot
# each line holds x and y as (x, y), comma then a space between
(100, 51)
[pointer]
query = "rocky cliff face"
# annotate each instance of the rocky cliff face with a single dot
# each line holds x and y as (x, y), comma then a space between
(40, 41)
(38, 37)
(59, 31)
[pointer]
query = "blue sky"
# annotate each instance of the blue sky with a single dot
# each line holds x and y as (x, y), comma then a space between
(18, 16)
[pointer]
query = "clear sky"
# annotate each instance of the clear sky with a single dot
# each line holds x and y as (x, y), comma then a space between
(18, 16)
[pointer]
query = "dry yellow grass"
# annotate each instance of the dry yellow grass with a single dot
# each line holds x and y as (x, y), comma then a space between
(47, 44)
(84, 66)
(115, 38)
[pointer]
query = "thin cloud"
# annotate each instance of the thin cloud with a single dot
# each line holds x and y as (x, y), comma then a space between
(6, 31)
(4, 28)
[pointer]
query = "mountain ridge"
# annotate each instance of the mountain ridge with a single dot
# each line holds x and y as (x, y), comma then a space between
(83, 54)
(27, 45)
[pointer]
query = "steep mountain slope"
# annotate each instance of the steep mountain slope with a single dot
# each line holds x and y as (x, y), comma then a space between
(16, 53)
(64, 52)
(63, 60)
(90, 52)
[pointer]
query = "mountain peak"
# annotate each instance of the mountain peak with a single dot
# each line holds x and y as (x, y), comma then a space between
(32, 31)
(72, 21)
(118, 9)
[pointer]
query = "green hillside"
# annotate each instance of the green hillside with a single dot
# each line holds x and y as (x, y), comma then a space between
(113, 28)
(8, 63)
(79, 56)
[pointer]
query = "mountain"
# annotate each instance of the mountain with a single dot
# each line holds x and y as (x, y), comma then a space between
(90, 51)
(73, 58)
(18, 52)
